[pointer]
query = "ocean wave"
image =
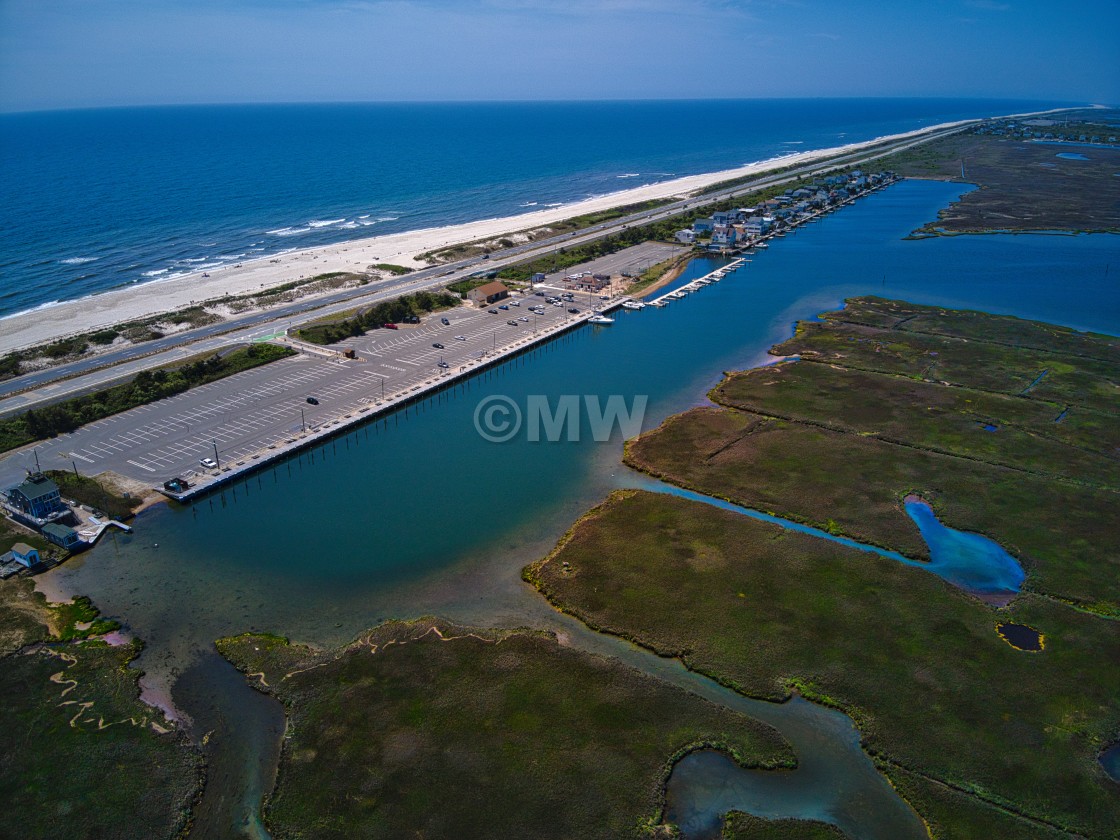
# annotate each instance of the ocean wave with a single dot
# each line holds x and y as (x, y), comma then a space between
(193, 260)
(75, 261)
(37, 308)
(155, 272)
(528, 204)
(387, 218)
(349, 225)
(366, 216)
(793, 142)
(290, 231)
(555, 204)
(324, 223)
(629, 175)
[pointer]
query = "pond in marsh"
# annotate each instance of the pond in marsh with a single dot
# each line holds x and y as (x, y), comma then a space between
(1020, 636)
(972, 562)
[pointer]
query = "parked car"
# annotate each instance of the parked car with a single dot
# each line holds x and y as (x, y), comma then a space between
(460, 338)
(503, 306)
(444, 365)
(515, 303)
(539, 294)
(389, 326)
(492, 311)
(574, 311)
(523, 318)
(312, 400)
(512, 322)
(209, 463)
(437, 345)
(445, 322)
(412, 319)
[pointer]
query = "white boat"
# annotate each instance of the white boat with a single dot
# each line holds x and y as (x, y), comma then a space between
(761, 245)
(600, 318)
(633, 304)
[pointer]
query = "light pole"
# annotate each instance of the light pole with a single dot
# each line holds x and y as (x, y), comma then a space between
(303, 421)
(217, 460)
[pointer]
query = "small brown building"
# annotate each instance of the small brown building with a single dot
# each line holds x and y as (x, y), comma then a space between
(488, 293)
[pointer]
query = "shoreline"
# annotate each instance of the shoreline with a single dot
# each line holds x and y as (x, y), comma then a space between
(48, 322)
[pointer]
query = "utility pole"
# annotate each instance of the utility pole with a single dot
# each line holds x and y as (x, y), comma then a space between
(303, 421)
(217, 460)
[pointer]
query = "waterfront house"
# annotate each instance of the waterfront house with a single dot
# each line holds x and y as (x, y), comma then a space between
(724, 237)
(61, 535)
(38, 498)
(23, 554)
(702, 226)
(488, 293)
(686, 236)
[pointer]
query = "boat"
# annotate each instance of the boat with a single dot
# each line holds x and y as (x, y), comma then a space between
(633, 304)
(762, 246)
(600, 318)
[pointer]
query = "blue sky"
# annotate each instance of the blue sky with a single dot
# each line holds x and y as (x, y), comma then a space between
(83, 53)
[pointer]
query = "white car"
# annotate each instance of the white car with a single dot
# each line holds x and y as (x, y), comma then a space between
(209, 463)
(515, 303)
(460, 338)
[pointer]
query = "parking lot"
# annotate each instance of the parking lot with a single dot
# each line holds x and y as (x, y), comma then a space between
(237, 420)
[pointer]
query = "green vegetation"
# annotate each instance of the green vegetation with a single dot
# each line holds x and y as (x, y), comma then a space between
(385, 312)
(94, 493)
(740, 826)
(69, 618)
(426, 729)
(392, 269)
(913, 660)
(1024, 186)
(80, 756)
(808, 450)
(147, 387)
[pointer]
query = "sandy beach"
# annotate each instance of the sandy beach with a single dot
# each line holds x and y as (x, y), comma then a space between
(42, 325)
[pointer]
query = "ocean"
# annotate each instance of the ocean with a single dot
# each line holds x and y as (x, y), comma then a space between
(99, 199)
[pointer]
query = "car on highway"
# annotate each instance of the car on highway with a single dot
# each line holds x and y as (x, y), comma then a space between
(445, 322)
(437, 345)
(313, 401)
(208, 463)
(492, 311)
(460, 338)
(389, 326)
(574, 311)
(512, 322)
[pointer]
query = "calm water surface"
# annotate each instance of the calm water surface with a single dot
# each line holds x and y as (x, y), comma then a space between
(419, 515)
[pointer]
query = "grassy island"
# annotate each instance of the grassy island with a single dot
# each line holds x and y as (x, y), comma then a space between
(80, 755)
(1027, 183)
(426, 729)
(889, 399)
